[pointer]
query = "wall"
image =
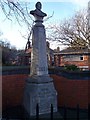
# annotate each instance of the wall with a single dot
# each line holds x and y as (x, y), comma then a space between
(12, 89)
(70, 91)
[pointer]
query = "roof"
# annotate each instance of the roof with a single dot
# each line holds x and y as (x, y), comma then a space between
(71, 50)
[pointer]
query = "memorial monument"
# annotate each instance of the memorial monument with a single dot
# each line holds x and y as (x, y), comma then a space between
(39, 88)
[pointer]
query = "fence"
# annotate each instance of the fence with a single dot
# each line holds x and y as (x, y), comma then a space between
(65, 113)
(64, 117)
(19, 113)
(37, 112)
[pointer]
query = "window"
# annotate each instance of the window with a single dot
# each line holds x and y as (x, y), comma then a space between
(81, 57)
(73, 57)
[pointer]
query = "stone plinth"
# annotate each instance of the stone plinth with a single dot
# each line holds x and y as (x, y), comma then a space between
(41, 93)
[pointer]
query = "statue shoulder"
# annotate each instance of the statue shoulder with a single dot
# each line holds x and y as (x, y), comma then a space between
(38, 13)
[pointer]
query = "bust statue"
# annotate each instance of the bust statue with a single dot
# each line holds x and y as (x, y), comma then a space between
(37, 13)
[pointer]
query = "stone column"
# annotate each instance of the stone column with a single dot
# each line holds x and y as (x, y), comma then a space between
(39, 87)
(38, 55)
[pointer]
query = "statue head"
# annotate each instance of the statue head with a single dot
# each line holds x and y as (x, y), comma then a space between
(38, 5)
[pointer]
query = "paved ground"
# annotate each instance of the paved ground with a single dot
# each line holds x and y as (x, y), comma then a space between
(18, 113)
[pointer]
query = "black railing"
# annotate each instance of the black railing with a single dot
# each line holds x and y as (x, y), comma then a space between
(77, 112)
(51, 111)
(89, 112)
(65, 113)
(37, 112)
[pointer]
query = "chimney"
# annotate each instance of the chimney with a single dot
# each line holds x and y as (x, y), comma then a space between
(58, 49)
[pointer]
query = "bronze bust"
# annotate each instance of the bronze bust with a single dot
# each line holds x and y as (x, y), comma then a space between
(37, 13)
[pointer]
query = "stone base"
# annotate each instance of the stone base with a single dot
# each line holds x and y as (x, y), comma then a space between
(40, 90)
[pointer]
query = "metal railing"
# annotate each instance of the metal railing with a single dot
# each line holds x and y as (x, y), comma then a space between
(65, 114)
(37, 112)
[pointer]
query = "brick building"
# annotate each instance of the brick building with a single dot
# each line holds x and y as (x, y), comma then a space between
(78, 57)
(24, 56)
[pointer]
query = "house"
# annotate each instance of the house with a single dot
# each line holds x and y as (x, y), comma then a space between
(23, 58)
(79, 57)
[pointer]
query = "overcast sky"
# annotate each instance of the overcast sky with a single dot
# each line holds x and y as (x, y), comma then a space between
(62, 9)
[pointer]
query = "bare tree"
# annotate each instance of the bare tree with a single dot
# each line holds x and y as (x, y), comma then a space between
(73, 32)
(21, 12)
(17, 10)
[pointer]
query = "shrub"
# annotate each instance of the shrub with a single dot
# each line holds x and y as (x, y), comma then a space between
(71, 68)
